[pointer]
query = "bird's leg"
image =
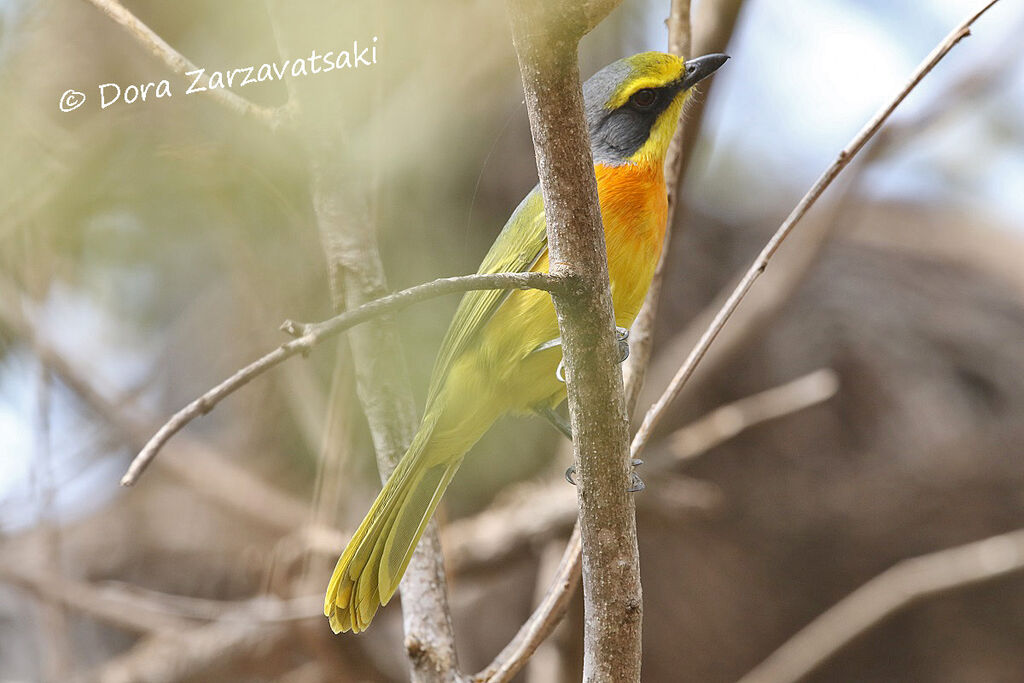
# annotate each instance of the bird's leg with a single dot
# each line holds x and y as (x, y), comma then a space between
(621, 337)
(556, 420)
(559, 423)
(560, 370)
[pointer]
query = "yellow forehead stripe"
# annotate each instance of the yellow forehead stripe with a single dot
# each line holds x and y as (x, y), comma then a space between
(650, 70)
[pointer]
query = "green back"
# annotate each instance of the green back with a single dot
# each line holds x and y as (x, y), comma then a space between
(521, 242)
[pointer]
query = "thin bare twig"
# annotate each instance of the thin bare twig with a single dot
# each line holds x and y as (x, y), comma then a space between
(714, 22)
(310, 334)
(189, 654)
(725, 422)
(179, 64)
(655, 413)
(146, 611)
(264, 608)
(549, 661)
(504, 529)
(642, 332)
(543, 620)
(903, 584)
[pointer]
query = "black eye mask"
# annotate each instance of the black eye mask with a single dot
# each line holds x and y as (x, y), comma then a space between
(616, 135)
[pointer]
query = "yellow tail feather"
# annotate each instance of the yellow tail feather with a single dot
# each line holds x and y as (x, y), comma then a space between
(371, 567)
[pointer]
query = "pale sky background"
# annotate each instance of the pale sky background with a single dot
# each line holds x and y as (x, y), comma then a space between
(843, 59)
(805, 76)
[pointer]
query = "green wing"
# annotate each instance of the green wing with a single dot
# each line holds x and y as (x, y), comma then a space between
(521, 242)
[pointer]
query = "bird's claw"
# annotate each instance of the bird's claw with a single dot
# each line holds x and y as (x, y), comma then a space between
(622, 337)
(636, 483)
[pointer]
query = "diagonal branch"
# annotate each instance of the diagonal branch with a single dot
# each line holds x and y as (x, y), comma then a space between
(894, 589)
(657, 411)
(179, 64)
(797, 261)
(543, 620)
(311, 334)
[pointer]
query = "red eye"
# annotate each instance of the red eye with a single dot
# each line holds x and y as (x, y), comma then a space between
(644, 99)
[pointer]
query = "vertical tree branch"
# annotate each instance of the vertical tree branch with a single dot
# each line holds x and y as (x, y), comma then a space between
(546, 39)
(553, 606)
(713, 24)
(357, 276)
(642, 333)
(382, 385)
(710, 33)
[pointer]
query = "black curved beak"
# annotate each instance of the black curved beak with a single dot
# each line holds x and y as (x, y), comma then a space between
(698, 69)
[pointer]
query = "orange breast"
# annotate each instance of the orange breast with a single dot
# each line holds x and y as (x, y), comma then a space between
(505, 366)
(634, 207)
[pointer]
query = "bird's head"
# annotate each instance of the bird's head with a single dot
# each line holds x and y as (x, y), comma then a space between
(633, 104)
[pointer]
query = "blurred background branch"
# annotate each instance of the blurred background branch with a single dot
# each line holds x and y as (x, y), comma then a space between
(904, 584)
(178, 64)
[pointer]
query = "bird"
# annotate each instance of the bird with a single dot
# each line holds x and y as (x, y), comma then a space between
(501, 353)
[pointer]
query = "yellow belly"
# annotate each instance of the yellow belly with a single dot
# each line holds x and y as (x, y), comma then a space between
(504, 370)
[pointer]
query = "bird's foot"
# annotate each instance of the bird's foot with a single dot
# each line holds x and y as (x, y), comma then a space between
(636, 483)
(622, 337)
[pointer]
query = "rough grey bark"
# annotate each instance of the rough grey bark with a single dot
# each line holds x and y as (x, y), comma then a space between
(546, 38)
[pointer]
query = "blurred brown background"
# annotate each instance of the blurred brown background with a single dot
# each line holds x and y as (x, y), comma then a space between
(149, 250)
